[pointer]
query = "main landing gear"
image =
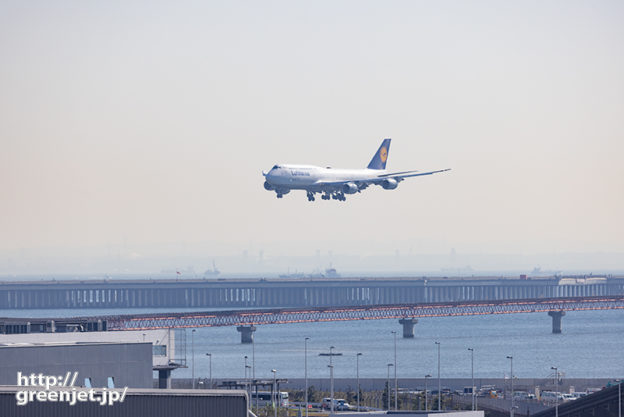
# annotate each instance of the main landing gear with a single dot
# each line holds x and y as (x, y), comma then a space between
(325, 196)
(334, 196)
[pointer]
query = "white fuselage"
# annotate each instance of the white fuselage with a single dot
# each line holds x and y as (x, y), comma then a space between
(309, 177)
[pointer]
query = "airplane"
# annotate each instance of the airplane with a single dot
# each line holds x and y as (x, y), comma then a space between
(335, 183)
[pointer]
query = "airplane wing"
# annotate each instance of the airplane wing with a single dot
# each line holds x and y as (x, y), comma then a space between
(406, 174)
(395, 173)
(363, 183)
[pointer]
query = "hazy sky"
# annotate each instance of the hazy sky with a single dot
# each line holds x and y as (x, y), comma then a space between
(141, 123)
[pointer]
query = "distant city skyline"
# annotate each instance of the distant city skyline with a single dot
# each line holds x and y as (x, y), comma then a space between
(139, 132)
(196, 264)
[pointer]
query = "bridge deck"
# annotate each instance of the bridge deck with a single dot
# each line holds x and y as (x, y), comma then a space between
(303, 315)
(266, 293)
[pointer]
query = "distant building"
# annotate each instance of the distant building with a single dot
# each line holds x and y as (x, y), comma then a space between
(137, 402)
(159, 352)
(98, 364)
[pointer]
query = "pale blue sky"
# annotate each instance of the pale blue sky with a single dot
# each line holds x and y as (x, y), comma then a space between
(150, 122)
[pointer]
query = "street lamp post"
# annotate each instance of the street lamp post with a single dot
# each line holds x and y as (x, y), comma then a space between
(305, 343)
(253, 367)
(275, 393)
(511, 412)
(620, 398)
(331, 376)
(210, 367)
(193, 357)
(253, 358)
(426, 404)
(554, 368)
(388, 385)
(331, 383)
(472, 388)
(439, 380)
(396, 387)
(246, 366)
(357, 374)
(331, 354)
(249, 382)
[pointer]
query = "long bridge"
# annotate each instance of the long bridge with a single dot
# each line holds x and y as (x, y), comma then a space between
(247, 319)
(268, 293)
(272, 301)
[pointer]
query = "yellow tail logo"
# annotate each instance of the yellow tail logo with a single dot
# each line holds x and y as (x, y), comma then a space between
(383, 154)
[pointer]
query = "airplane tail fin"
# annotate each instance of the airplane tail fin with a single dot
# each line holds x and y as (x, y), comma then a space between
(381, 156)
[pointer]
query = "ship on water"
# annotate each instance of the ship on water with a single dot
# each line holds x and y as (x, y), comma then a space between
(211, 273)
(330, 272)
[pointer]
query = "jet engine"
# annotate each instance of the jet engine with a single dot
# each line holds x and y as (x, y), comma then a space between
(268, 186)
(390, 184)
(350, 188)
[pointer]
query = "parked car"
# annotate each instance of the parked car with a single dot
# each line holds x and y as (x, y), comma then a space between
(339, 404)
(342, 405)
(326, 403)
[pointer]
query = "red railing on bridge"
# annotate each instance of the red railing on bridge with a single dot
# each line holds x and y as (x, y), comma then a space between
(304, 315)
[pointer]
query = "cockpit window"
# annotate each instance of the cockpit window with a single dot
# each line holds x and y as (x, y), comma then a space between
(275, 167)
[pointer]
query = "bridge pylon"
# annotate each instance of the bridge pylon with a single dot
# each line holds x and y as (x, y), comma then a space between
(246, 333)
(408, 327)
(556, 320)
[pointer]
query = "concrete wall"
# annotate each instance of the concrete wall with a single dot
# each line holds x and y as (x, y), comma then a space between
(520, 384)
